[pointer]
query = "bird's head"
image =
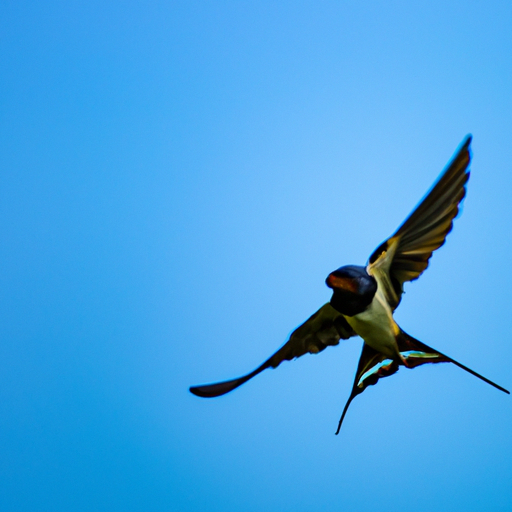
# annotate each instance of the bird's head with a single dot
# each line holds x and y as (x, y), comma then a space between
(353, 289)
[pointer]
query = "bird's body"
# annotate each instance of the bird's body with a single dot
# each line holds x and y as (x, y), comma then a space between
(364, 298)
(377, 326)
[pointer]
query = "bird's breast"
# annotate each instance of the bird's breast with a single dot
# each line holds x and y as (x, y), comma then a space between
(377, 327)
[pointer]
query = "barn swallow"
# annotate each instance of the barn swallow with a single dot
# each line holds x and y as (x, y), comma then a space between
(364, 298)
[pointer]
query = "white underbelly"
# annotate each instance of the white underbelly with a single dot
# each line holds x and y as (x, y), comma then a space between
(377, 327)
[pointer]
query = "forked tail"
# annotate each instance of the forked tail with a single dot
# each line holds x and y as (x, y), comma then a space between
(373, 365)
(417, 353)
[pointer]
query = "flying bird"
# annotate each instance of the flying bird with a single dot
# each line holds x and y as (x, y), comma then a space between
(364, 298)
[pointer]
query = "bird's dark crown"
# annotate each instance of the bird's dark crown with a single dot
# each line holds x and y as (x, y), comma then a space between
(353, 289)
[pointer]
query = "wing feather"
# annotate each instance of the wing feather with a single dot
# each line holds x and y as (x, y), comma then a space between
(324, 328)
(406, 254)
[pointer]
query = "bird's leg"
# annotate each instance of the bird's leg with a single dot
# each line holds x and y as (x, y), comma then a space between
(405, 362)
(385, 369)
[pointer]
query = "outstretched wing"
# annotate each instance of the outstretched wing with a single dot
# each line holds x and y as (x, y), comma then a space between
(326, 327)
(373, 365)
(405, 255)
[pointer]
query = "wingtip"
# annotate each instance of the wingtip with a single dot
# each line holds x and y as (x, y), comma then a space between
(207, 391)
(219, 388)
(196, 390)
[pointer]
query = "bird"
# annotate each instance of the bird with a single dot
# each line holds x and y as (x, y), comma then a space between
(364, 298)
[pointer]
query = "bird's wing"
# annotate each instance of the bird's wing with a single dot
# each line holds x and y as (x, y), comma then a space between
(324, 328)
(373, 365)
(405, 255)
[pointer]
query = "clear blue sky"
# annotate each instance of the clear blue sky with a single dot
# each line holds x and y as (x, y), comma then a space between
(177, 180)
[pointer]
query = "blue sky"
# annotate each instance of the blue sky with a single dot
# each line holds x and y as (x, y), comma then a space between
(178, 179)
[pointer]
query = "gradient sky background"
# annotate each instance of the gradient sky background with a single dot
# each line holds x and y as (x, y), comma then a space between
(178, 179)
